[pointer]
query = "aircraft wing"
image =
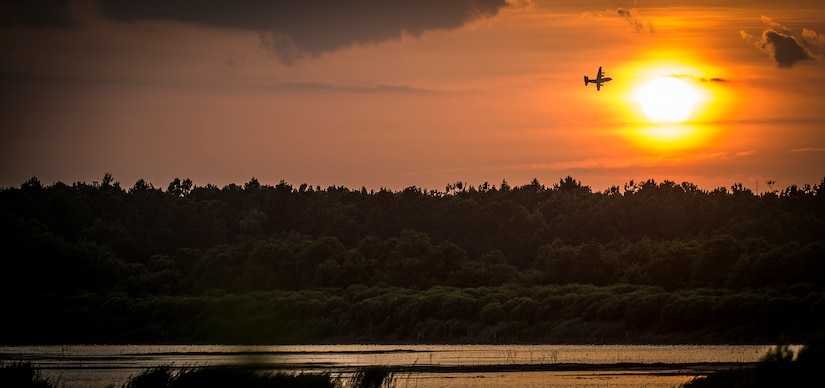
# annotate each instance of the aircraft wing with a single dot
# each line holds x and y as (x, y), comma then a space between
(598, 86)
(599, 75)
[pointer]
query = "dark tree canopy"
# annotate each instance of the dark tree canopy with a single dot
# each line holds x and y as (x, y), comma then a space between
(96, 249)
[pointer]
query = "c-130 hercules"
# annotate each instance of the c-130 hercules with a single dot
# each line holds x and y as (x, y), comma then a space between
(598, 81)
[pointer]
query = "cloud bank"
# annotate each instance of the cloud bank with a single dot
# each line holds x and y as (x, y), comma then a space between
(297, 29)
(38, 13)
(290, 29)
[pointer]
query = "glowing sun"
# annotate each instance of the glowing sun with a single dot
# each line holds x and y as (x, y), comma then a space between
(666, 100)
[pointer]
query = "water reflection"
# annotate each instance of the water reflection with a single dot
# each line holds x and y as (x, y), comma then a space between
(419, 365)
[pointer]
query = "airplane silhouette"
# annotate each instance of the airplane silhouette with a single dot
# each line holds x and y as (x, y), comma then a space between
(598, 81)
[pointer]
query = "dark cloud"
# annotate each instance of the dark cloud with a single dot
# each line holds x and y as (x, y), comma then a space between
(37, 13)
(782, 47)
(786, 49)
(632, 17)
(291, 29)
(294, 29)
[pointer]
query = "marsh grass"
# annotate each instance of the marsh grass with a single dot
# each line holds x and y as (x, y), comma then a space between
(240, 377)
(373, 377)
(779, 368)
(25, 375)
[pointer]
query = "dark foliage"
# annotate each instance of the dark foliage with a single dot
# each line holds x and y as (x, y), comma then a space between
(24, 375)
(259, 263)
(777, 369)
(373, 377)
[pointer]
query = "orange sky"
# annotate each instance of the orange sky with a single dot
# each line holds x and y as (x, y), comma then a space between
(358, 94)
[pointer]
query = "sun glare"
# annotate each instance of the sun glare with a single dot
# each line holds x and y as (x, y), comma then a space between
(666, 100)
(672, 112)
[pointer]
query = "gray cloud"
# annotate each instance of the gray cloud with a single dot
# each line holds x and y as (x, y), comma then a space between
(296, 29)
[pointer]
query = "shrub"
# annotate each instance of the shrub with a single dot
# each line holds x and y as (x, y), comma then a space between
(24, 375)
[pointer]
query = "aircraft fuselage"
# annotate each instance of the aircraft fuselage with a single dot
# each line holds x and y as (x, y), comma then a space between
(599, 80)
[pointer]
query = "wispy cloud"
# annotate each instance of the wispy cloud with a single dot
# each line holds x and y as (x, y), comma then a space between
(699, 79)
(610, 163)
(809, 149)
(771, 23)
(632, 16)
(813, 40)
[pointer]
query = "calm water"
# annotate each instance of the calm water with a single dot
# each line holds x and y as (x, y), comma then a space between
(111, 365)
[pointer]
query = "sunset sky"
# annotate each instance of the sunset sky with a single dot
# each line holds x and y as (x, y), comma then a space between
(422, 93)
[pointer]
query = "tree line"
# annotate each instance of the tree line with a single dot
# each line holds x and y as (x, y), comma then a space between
(83, 249)
(571, 313)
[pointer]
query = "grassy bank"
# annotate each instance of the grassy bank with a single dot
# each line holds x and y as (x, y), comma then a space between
(780, 367)
(24, 375)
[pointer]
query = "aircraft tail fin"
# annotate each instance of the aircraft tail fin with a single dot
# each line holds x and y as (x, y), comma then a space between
(586, 80)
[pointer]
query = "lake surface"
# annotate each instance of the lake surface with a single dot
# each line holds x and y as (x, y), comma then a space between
(423, 366)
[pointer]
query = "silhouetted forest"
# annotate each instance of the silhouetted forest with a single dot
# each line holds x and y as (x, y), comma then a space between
(275, 264)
